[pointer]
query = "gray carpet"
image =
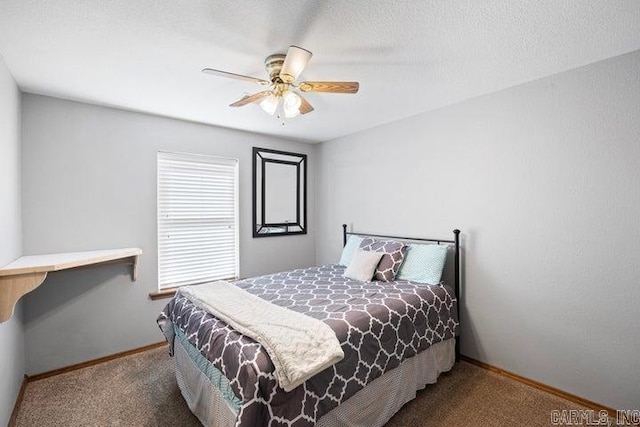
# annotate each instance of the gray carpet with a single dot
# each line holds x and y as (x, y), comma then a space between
(141, 390)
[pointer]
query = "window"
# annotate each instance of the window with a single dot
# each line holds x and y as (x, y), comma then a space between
(197, 219)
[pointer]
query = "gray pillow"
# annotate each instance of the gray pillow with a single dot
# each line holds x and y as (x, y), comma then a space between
(362, 265)
(393, 254)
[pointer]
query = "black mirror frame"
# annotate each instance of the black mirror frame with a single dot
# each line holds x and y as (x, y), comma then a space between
(301, 193)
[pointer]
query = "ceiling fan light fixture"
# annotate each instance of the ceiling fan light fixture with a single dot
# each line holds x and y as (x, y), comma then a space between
(283, 72)
(295, 61)
(269, 104)
(291, 102)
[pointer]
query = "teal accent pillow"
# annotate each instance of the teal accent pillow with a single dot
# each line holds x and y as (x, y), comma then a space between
(423, 263)
(353, 243)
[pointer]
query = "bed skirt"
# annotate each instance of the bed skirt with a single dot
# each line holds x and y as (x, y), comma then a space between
(373, 406)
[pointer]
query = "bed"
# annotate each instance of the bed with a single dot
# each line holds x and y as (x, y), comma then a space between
(396, 337)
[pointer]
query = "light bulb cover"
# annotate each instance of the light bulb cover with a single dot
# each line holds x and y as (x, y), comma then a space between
(291, 114)
(291, 102)
(269, 104)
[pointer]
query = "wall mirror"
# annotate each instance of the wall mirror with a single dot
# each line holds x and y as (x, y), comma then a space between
(279, 193)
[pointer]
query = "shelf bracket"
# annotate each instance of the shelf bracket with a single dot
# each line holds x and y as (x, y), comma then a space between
(134, 268)
(15, 287)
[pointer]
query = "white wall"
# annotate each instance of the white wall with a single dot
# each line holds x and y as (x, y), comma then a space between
(89, 182)
(543, 179)
(11, 332)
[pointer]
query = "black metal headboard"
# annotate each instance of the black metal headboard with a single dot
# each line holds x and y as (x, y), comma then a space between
(456, 261)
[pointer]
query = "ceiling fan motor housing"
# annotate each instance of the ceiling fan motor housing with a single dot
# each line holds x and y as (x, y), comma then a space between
(273, 64)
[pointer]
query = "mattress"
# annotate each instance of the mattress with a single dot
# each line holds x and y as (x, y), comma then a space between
(379, 325)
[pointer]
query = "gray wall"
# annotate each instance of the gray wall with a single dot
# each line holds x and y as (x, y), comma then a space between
(543, 179)
(89, 182)
(11, 332)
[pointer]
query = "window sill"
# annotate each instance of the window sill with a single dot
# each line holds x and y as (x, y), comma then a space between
(165, 293)
(170, 292)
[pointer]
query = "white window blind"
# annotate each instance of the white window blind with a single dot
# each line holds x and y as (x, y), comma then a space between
(197, 219)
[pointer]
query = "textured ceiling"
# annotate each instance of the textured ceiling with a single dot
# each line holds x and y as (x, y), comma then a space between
(409, 56)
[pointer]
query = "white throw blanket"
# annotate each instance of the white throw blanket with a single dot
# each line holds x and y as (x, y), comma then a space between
(299, 346)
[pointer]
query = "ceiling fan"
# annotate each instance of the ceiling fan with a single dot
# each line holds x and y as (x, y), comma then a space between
(283, 71)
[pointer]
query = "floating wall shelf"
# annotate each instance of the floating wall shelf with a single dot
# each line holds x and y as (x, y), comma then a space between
(28, 272)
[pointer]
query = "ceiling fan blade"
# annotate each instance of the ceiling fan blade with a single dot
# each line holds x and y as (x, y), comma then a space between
(251, 98)
(305, 107)
(235, 76)
(295, 61)
(333, 87)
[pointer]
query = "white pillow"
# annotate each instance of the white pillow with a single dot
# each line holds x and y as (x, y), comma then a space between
(363, 265)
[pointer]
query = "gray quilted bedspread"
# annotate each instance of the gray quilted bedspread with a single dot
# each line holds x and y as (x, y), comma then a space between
(378, 324)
